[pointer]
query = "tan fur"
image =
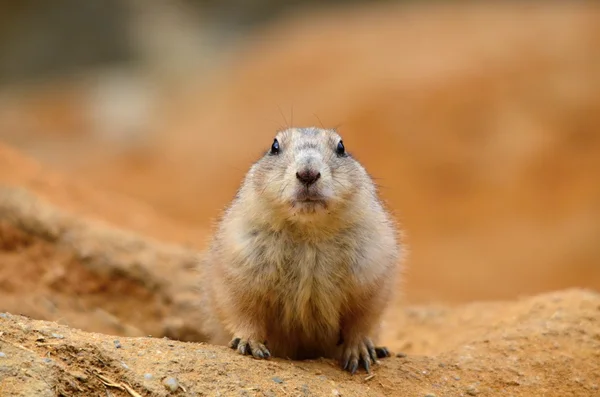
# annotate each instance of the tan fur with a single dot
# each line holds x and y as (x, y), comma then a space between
(300, 276)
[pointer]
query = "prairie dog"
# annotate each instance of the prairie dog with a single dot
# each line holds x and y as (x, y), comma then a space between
(305, 258)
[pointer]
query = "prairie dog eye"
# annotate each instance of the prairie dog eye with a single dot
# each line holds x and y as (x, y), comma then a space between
(275, 147)
(340, 149)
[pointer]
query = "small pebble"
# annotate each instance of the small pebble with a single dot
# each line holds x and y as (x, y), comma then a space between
(400, 355)
(277, 379)
(147, 376)
(2, 354)
(456, 377)
(171, 384)
(79, 375)
(4, 315)
(125, 365)
(335, 392)
(117, 344)
(57, 336)
(472, 391)
(48, 360)
(430, 395)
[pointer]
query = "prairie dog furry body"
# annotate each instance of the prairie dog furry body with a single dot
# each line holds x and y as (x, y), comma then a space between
(305, 258)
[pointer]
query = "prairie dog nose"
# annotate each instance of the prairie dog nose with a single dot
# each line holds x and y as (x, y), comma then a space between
(307, 176)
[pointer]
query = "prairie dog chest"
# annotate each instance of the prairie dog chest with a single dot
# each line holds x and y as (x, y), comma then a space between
(303, 264)
(309, 284)
(289, 269)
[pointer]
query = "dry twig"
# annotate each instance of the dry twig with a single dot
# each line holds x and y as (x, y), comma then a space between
(121, 386)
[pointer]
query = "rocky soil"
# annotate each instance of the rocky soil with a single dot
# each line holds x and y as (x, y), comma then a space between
(547, 345)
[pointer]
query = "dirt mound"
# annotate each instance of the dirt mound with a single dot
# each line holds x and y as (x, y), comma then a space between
(82, 198)
(91, 275)
(545, 345)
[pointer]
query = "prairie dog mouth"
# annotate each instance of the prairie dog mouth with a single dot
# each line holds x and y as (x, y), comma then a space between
(309, 206)
(309, 201)
(314, 199)
(309, 195)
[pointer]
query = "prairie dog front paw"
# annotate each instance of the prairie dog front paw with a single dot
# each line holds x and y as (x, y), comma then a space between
(249, 346)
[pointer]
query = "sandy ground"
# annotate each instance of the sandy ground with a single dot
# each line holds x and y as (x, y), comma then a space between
(543, 346)
(488, 152)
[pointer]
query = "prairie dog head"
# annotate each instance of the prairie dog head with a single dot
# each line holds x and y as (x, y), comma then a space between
(307, 173)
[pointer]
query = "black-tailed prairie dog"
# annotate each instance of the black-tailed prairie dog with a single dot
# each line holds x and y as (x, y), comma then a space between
(305, 258)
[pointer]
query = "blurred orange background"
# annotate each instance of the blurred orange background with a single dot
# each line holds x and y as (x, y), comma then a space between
(480, 122)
